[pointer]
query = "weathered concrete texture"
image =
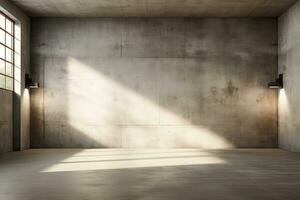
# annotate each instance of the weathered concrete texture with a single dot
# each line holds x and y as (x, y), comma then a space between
(114, 174)
(154, 8)
(18, 105)
(154, 83)
(6, 121)
(289, 97)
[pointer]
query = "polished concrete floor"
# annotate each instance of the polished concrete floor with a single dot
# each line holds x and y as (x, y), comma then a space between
(129, 174)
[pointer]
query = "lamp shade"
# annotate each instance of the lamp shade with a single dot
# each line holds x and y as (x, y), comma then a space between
(278, 84)
(29, 82)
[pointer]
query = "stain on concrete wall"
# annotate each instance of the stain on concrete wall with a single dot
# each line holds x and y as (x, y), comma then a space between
(289, 61)
(154, 82)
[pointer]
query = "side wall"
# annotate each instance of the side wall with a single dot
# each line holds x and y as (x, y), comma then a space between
(6, 121)
(289, 65)
(15, 109)
(154, 83)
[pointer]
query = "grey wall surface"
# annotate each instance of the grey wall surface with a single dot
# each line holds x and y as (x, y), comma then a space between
(289, 65)
(154, 82)
(6, 121)
(14, 109)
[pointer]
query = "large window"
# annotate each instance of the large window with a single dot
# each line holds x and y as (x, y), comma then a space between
(7, 52)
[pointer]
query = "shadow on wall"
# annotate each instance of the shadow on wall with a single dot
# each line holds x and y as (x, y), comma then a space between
(125, 101)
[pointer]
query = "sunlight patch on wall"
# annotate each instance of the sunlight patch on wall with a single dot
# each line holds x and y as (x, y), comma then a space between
(284, 107)
(284, 115)
(105, 110)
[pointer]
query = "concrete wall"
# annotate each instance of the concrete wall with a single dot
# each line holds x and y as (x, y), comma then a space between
(14, 109)
(289, 65)
(6, 121)
(154, 82)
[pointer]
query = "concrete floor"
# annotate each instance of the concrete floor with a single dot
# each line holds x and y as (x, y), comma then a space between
(71, 174)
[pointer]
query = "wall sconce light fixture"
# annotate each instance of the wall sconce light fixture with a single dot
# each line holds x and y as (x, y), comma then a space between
(278, 84)
(29, 83)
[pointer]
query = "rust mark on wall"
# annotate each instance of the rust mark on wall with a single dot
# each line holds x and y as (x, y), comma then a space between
(230, 90)
(215, 97)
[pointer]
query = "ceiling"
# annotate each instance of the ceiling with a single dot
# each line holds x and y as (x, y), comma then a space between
(154, 8)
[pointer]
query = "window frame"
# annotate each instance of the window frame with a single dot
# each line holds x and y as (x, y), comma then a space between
(12, 48)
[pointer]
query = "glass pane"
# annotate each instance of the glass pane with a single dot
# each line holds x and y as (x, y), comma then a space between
(2, 51)
(17, 60)
(17, 32)
(17, 87)
(17, 46)
(2, 81)
(2, 21)
(9, 83)
(9, 55)
(9, 26)
(9, 69)
(18, 74)
(2, 36)
(9, 40)
(2, 66)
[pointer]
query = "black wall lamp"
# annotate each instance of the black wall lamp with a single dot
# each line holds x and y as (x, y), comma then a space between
(278, 84)
(29, 83)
